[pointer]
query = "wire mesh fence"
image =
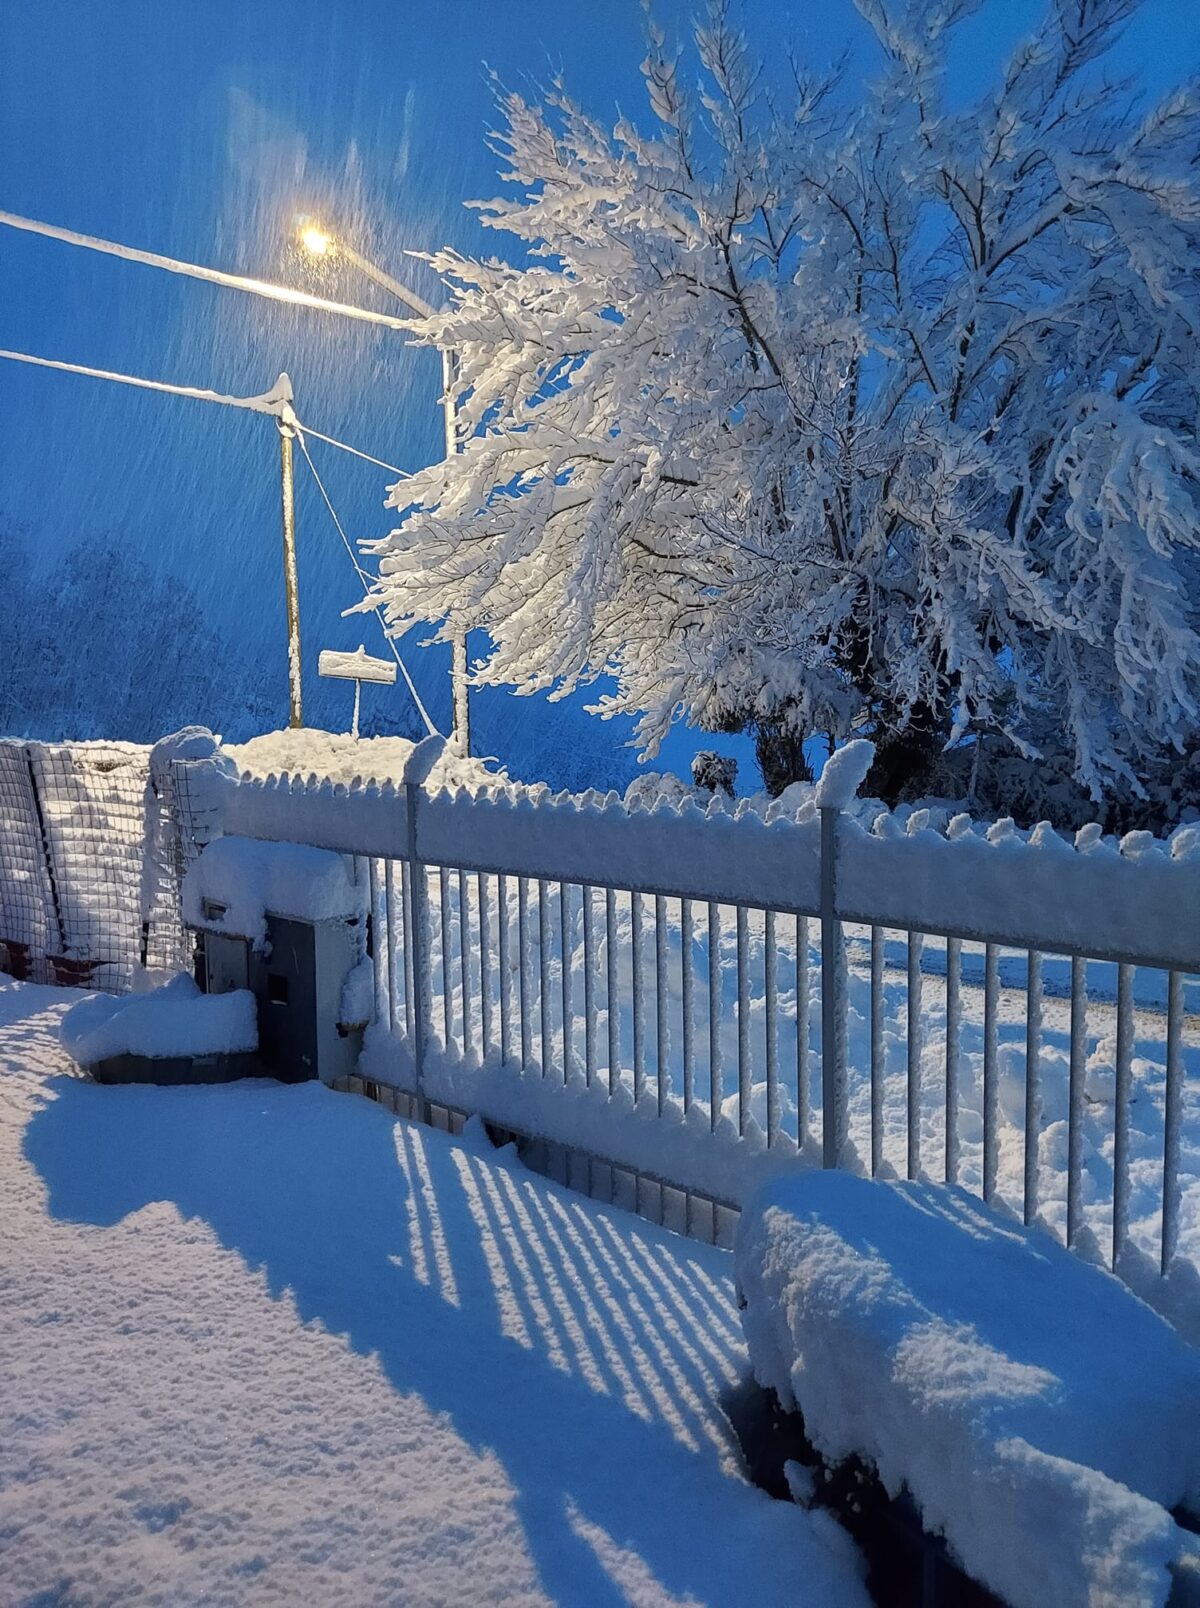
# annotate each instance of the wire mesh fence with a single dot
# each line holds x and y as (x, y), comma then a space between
(88, 883)
(29, 928)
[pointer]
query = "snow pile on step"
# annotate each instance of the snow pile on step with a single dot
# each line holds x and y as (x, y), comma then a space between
(175, 1020)
(237, 881)
(338, 757)
(1043, 1419)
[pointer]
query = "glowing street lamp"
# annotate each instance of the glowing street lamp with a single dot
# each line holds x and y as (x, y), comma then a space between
(315, 241)
(321, 242)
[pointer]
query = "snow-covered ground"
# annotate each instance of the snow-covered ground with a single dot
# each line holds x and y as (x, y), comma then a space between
(339, 757)
(267, 1344)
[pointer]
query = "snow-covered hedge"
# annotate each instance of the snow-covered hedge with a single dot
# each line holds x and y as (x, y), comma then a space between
(1043, 1419)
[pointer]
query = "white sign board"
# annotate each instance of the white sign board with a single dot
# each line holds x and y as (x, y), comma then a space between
(357, 666)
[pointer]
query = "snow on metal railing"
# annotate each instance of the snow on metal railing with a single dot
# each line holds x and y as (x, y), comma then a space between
(1134, 901)
(639, 983)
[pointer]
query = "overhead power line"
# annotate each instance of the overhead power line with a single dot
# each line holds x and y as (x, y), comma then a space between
(277, 401)
(215, 276)
(365, 581)
(273, 401)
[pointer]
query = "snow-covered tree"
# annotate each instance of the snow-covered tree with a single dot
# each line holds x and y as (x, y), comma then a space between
(839, 414)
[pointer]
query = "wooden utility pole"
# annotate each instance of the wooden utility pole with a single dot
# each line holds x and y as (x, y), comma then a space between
(290, 579)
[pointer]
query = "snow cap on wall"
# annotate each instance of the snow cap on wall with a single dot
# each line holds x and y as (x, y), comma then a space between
(984, 1368)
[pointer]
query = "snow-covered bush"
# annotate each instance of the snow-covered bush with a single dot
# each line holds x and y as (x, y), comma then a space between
(822, 417)
(714, 772)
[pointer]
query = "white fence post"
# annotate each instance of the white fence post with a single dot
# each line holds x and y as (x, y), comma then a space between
(419, 937)
(840, 780)
(833, 1001)
(424, 757)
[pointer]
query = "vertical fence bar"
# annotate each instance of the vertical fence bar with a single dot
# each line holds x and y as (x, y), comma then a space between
(589, 986)
(612, 995)
(1078, 1068)
(406, 876)
(547, 1023)
(464, 957)
(566, 949)
(1172, 1116)
(523, 965)
(639, 997)
(743, 1018)
(687, 983)
(877, 1066)
(483, 899)
(771, 1008)
(1121, 1127)
(393, 948)
(802, 1013)
(447, 985)
(422, 953)
(505, 972)
(378, 941)
(915, 941)
(715, 1091)
(953, 1040)
(1033, 1082)
(991, 1001)
(833, 1001)
(661, 1001)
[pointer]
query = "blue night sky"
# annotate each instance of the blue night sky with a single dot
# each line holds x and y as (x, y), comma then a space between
(199, 130)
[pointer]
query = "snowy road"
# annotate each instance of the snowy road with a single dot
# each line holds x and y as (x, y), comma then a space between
(266, 1344)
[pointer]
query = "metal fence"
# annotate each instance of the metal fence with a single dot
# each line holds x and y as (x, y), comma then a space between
(87, 892)
(666, 1028)
(682, 1004)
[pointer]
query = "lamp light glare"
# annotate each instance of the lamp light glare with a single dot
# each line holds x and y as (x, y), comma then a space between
(316, 241)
